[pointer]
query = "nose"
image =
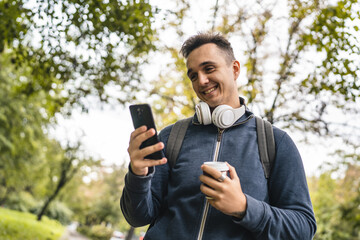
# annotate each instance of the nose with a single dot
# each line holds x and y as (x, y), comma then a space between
(202, 78)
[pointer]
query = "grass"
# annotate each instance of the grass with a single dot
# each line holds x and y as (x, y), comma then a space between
(16, 225)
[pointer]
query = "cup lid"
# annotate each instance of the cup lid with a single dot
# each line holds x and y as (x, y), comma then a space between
(221, 166)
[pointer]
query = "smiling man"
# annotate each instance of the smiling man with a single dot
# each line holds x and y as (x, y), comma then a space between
(213, 77)
(180, 202)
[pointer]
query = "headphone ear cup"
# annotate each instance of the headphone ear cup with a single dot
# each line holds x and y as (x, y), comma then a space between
(203, 113)
(223, 116)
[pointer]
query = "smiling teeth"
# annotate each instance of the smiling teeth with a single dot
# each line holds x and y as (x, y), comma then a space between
(210, 90)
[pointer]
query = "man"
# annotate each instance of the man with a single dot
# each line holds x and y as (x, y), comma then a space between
(182, 203)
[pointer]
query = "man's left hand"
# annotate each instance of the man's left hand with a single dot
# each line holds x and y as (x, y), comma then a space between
(227, 195)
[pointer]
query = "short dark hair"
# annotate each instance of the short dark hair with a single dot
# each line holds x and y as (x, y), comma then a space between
(203, 38)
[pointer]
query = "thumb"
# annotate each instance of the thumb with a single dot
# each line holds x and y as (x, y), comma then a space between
(232, 172)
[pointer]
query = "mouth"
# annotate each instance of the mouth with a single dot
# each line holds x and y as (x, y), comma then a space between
(210, 90)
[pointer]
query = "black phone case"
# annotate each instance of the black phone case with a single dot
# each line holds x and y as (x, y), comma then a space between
(141, 114)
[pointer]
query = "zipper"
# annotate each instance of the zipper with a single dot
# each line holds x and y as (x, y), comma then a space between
(207, 204)
(203, 220)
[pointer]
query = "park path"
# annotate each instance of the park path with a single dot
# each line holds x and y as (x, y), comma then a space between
(72, 234)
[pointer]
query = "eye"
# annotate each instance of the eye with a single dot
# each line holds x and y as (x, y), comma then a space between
(193, 77)
(209, 69)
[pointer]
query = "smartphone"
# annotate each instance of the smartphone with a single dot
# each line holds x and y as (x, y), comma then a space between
(141, 114)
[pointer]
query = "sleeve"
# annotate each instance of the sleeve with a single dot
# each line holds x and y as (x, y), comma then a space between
(143, 197)
(290, 214)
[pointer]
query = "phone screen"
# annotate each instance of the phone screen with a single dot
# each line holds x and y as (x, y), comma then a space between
(141, 114)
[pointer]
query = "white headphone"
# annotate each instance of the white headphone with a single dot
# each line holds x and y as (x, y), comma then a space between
(223, 116)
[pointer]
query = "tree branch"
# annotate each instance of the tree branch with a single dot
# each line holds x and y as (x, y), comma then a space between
(215, 13)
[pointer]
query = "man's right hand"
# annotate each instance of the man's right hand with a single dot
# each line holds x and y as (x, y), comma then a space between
(140, 165)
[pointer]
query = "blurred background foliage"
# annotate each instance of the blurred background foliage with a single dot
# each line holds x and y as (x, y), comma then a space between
(300, 67)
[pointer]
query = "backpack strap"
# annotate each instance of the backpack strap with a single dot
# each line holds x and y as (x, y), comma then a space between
(265, 135)
(266, 143)
(175, 140)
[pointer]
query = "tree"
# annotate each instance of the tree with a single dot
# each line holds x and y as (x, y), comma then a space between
(63, 167)
(79, 47)
(314, 53)
(52, 56)
(96, 201)
(336, 202)
(22, 136)
(172, 92)
(324, 197)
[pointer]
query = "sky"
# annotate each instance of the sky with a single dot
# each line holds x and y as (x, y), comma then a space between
(105, 131)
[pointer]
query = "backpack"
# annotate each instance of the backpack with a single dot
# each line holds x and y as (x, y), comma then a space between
(265, 136)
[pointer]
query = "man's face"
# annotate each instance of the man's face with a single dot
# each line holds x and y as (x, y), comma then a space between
(213, 78)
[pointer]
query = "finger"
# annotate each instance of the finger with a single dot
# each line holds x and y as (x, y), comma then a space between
(136, 141)
(216, 174)
(232, 172)
(148, 163)
(152, 163)
(208, 191)
(151, 149)
(211, 182)
(141, 168)
(145, 135)
(135, 134)
(137, 131)
(208, 180)
(211, 171)
(222, 178)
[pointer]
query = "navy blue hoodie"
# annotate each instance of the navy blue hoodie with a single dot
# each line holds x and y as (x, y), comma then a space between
(171, 201)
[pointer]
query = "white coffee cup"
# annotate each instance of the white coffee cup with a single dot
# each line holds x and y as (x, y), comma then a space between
(220, 166)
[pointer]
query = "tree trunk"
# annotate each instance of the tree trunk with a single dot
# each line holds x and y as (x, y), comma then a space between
(60, 185)
(45, 206)
(130, 233)
(67, 173)
(3, 199)
(7, 191)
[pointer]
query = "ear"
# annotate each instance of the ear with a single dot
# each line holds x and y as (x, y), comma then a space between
(236, 69)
